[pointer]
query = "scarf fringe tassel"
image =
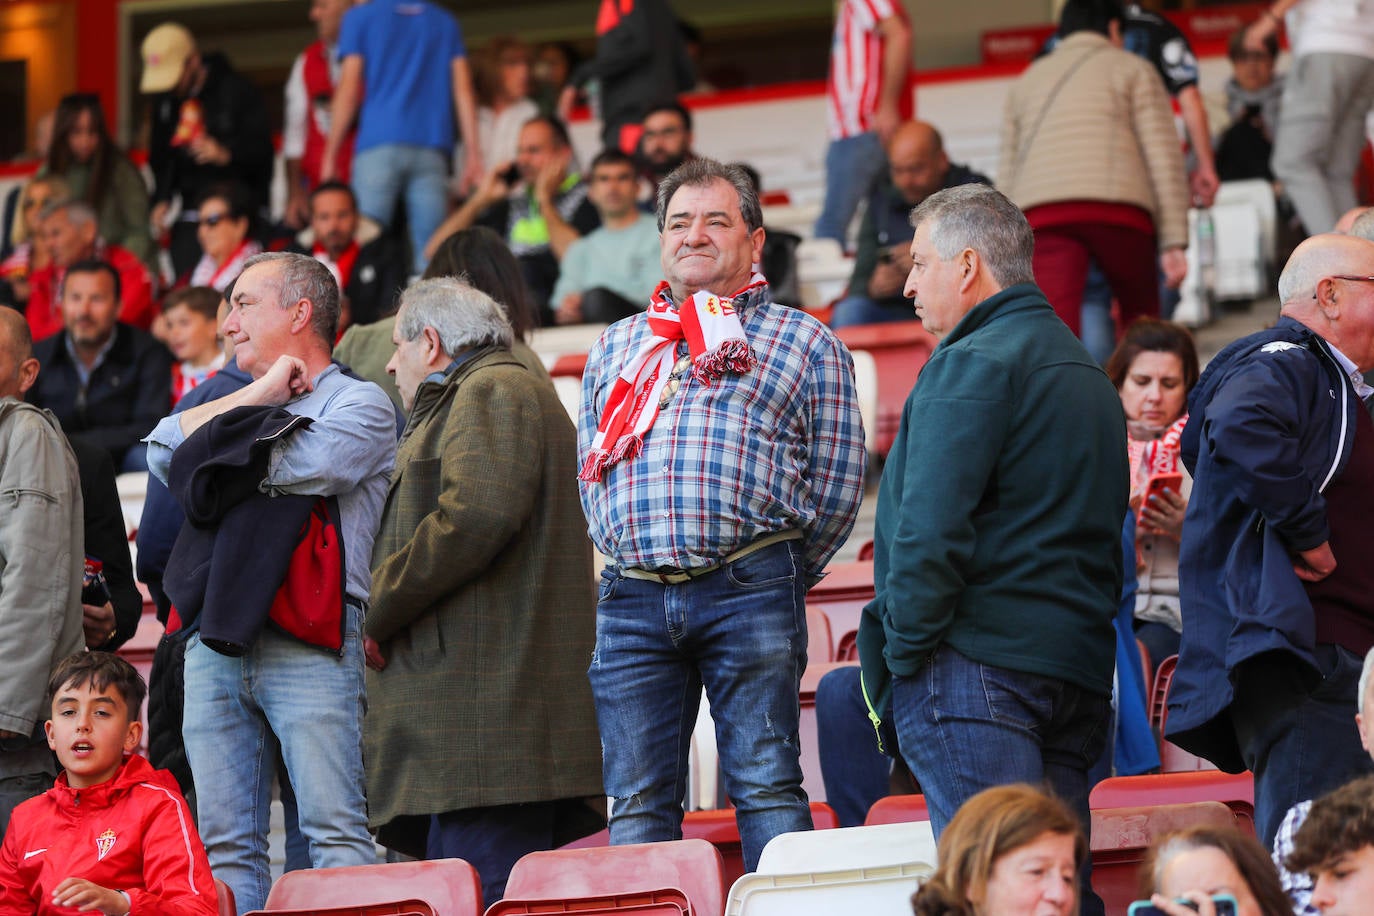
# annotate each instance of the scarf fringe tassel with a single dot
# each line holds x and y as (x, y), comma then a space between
(627, 449)
(731, 356)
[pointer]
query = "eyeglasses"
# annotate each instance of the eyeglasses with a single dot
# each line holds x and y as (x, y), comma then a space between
(1347, 278)
(214, 219)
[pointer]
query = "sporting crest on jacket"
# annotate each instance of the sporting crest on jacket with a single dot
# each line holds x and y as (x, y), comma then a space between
(104, 843)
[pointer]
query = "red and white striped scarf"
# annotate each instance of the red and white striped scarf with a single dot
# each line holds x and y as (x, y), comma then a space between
(1158, 455)
(716, 342)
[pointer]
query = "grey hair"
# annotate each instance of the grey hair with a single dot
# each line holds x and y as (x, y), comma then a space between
(1364, 681)
(980, 217)
(1298, 278)
(78, 212)
(1363, 227)
(700, 172)
(300, 276)
(461, 314)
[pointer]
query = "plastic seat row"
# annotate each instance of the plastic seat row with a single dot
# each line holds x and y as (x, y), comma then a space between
(867, 869)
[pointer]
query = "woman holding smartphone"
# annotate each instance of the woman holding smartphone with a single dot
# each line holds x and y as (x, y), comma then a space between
(1154, 367)
(1210, 867)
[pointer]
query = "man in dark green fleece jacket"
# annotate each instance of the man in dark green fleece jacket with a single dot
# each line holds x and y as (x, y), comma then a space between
(998, 556)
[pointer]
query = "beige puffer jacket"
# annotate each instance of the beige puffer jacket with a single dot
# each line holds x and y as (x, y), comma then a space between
(1107, 135)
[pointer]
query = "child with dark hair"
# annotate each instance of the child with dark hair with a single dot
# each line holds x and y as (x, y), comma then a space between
(1297, 883)
(114, 835)
(1335, 845)
(190, 321)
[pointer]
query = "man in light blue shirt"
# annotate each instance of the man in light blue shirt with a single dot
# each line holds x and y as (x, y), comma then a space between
(282, 320)
(609, 273)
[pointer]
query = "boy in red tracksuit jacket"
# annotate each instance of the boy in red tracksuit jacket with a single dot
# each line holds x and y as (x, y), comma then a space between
(114, 835)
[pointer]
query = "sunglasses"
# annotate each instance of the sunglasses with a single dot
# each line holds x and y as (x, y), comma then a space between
(214, 219)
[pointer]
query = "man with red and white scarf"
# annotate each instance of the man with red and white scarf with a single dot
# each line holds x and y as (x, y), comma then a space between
(365, 263)
(722, 466)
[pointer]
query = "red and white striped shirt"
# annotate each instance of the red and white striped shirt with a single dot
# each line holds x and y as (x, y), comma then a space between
(856, 66)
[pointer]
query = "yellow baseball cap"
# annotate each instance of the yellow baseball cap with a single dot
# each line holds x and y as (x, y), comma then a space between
(165, 51)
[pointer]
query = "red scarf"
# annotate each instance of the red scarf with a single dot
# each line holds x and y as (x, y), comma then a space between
(716, 342)
(343, 266)
(1149, 457)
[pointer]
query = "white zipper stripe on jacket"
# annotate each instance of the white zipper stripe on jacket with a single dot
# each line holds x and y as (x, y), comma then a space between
(1345, 397)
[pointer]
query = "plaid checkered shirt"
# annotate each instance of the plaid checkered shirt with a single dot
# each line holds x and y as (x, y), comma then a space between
(779, 447)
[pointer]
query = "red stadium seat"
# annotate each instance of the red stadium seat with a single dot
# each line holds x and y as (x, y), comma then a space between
(666, 902)
(1172, 758)
(449, 887)
(1121, 837)
(718, 828)
(691, 866)
(899, 350)
(842, 594)
(394, 908)
(1234, 790)
(819, 645)
(1159, 690)
(898, 809)
(224, 898)
(569, 365)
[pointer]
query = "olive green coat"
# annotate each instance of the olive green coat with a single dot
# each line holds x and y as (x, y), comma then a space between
(483, 604)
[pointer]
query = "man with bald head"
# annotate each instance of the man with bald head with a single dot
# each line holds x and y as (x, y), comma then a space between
(41, 565)
(1273, 578)
(917, 167)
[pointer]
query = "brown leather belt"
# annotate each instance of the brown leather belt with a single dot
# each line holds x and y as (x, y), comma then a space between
(686, 575)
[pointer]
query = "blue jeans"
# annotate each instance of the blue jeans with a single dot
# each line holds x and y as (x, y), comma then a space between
(852, 165)
(383, 175)
(314, 701)
(1096, 328)
(852, 310)
(855, 772)
(1298, 745)
(740, 632)
(965, 727)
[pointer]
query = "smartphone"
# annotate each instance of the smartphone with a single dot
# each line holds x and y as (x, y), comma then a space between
(1224, 904)
(1157, 484)
(511, 175)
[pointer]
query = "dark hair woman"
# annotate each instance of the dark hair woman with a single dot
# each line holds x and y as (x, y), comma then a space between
(1153, 368)
(85, 156)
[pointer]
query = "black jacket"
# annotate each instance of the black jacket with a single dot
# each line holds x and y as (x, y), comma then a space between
(641, 61)
(234, 115)
(162, 516)
(378, 277)
(887, 222)
(107, 539)
(125, 397)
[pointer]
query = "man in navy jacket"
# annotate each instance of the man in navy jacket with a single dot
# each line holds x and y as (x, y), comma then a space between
(1274, 584)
